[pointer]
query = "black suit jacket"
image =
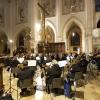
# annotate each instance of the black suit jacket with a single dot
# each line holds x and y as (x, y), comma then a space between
(25, 73)
(54, 71)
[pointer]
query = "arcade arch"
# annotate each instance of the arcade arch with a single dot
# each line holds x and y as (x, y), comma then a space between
(23, 39)
(74, 24)
(74, 37)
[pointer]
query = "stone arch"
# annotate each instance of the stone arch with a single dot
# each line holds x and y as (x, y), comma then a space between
(21, 36)
(74, 38)
(52, 29)
(73, 21)
(4, 44)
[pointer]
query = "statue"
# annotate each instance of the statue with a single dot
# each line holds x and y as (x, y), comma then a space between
(22, 10)
(21, 14)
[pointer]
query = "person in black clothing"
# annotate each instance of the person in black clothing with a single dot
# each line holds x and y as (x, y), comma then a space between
(84, 64)
(97, 59)
(64, 57)
(25, 76)
(57, 57)
(52, 72)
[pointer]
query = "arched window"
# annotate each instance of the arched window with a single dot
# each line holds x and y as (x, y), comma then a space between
(21, 40)
(75, 39)
(98, 24)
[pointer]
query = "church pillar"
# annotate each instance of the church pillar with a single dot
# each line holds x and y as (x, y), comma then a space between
(35, 25)
(11, 41)
(88, 43)
(89, 26)
(31, 21)
(58, 20)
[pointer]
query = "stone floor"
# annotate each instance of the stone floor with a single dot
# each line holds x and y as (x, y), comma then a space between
(91, 91)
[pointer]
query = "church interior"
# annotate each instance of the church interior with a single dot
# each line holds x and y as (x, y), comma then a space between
(49, 49)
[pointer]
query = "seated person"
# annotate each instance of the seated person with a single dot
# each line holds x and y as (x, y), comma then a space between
(25, 76)
(97, 59)
(14, 62)
(84, 64)
(53, 71)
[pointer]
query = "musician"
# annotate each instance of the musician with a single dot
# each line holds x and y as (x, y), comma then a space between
(38, 60)
(53, 71)
(57, 57)
(24, 73)
(40, 83)
(67, 87)
(14, 62)
(97, 59)
(64, 56)
(84, 64)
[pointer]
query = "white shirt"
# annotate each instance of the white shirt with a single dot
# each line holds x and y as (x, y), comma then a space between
(40, 81)
(37, 58)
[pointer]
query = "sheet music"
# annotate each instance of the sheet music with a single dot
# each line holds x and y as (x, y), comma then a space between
(31, 62)
(48, 64)
(62, 63)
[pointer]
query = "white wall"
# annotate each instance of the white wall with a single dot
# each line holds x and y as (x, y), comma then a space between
(86, 20)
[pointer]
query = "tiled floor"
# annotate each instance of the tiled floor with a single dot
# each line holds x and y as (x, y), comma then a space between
(91, 91)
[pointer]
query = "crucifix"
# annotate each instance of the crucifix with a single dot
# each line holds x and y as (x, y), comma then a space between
(44, 38)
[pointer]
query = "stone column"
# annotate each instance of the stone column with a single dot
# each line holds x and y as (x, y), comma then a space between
(89, 26)
(58, 20)
(36, 19)
(31, 22)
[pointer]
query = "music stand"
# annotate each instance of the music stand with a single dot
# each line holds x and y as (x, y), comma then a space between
(10, 87)
(62, 64)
